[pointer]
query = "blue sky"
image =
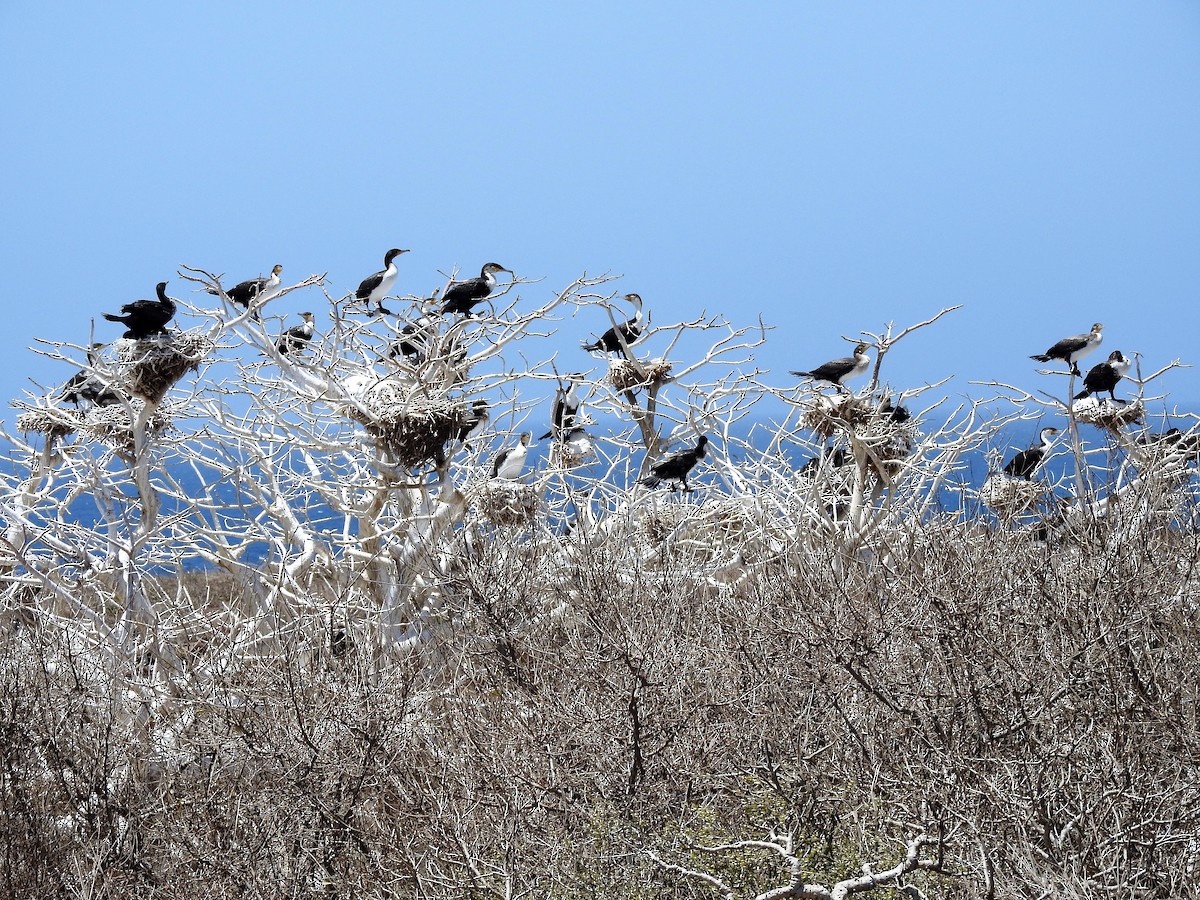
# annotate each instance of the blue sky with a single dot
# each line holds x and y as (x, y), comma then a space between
(829, 165)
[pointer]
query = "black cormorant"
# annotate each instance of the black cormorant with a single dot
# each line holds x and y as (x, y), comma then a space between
(1071, 349)
(461, 298)
(1025, 463)
(836, 371)
(297, 336)
(143, 318)
(629, 331)
(246, 292)
(676, 466)
(565, 408)
(509, 463)
(84, 385)
(1104, 376)
(375, 287)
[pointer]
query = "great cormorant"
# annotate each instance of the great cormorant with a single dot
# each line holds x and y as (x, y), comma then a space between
(676, 466)
(461, 298)
(629, 331)
(836, 371)
(1071, 349)
(565, 408)
(1025, 463)
(1104, 376)
(510, 463)
(246, 292)
(297, 336)
(143, 318)
(374, 288)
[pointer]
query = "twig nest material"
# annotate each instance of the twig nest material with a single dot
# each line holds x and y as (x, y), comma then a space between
(156, 364)
(627, 375)
(412, 430)
(53, 423)
(112, 425)
(840, 411)
(1009, 497)
(888, 441)
(506, 503)
(1104, 413)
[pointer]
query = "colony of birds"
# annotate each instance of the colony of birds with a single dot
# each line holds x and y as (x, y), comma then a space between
(417, 431)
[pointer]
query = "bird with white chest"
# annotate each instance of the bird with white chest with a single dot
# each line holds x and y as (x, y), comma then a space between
(510, 463)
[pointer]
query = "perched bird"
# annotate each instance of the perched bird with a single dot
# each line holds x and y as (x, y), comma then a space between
(1071, 349)
(577, 443)
(676, 466)
(84, 385)
(297, 336)
(836, 371)
(836, 457)
(246, 292)
(565, 408)
(1025, 463)
(509, 463)
(461, 298)
(413, 339)
(143, 318)
(1105, 375)
(473, 421)
(375, 287)
(897, 414)
(628, 331)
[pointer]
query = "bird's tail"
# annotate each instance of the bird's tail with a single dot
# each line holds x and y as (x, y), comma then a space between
(651, 481)
(1040, 357)
(546, 435)
(113, 317)
(802, 374)
(1083, 394)
(212, 291)
(591, 347)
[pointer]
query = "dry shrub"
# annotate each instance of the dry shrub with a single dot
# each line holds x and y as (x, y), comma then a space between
(506, 503)
(627, 375)
(52, 422)
(1108, 415)
(156, 364)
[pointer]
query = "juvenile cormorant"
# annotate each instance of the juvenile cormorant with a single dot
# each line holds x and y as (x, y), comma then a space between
(297, 336)
(473, 421)
(577, 442)
(836, 371)
(509, 463)
(246, 292)
(85, 386)
(461, 298)
(142, 318)
(413, 339)
(375, 287)
(1104, 376)
(1025, 463)
(565, 408)
(629, 331)
(676, 466)
(1071, 349)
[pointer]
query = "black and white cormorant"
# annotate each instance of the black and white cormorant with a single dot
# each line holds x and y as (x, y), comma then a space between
(143, 318)
(676, 466)
(373, 288)
(473, 421)
(629, 331)
(84, 385)
(565, 408)
(1025, 463)
(511, 462)
(577, 442)
(297, 336)
(246, 292)
(1071, 349)
(836, 371)
(1104, 376)
(461, 298)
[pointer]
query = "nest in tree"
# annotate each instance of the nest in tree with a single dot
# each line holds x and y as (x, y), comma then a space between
(567, 454)
(1107, 414)
(627, 375)
(888, 441)
(53, 423)
(412, 430)
(507, 503)
(156, 364)
(841, 411)
(112, 425)
(1009, 497)
(660, 521)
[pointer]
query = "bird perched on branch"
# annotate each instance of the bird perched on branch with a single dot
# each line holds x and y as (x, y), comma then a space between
(565, 408)
(511, 462)
(1071, 349)
(676, 466)
(413, 339)
(246, 292)
(628, 331)
(297, 336)
(461, 298)
(143, 318)
(1025, 463)
(1104, 376)
(836, 371)
(473, 421)
(373, 288)
(84, 385)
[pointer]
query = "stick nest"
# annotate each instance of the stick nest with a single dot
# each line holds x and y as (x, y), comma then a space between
(412, 430)
(1009, 497)
(840, 412)
(112, 425)
(53, 423)
(507, 503)
(156, 364)
(1108, 415)
(627, 375)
